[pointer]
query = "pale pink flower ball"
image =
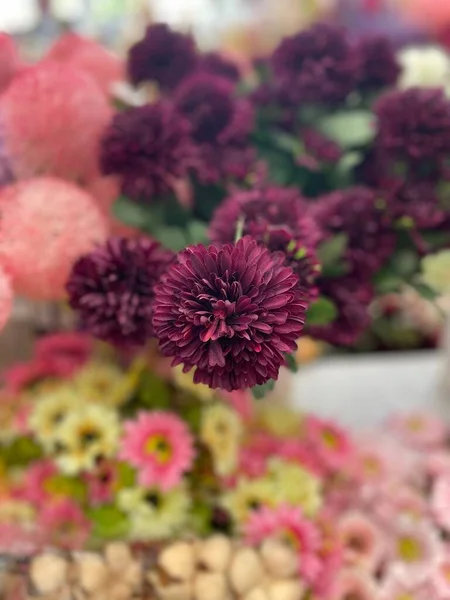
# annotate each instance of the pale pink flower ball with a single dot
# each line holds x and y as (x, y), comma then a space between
(65, 525)
(396, 586)
(287, 523)
(160, 446)
(419, 430)
(362, 540)
(355, 585)
(46, 224)
(6, 298)
(52, 120)
(75, 51)
(440, 501)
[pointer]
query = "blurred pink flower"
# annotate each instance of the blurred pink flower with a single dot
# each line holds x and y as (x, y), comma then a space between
(419, 430)
(18, 540)
(362, 540)
(6, 298)
(440, 502)
(10, 63)
(37, 476)
(396, 587)
(355, 585)
(441, 577)
(303, 453)
(160, 446)
(21, 376)
(331, 444)
(241, 401)
(102, 482)
(64, 524)
(438, 463)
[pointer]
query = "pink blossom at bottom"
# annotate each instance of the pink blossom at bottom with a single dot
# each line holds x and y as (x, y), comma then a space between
(64, 525)
(395, 586)
(332, 445)
(418, 430)
(355, 585)
(440, 502)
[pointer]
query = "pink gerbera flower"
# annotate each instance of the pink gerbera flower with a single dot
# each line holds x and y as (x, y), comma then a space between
(440, 502)
(299, 452)
(35, 488)
(398, 587)
(160, 446)
(419, 430)
(72, 348)
(288, 523)
(362, 540)
(64, 524)
(331, 444)
(355, 585)
(441, 577)
(102, 482)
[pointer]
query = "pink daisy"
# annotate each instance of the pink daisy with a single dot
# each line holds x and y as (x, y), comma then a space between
(331, 444)
(287, 523)
(419, 430)
(440, 502)
(37, 477)
(355, 585)
(21, 376)
(64, 524)
(72, 348)
(102, 483)
(299, 452)
(396, 500)
(398, 587)
(441, 577)
(160, 446)
(438, 463)
(362, 540)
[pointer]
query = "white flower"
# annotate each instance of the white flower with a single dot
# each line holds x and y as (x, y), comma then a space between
(221, 431)
(427, 66)
(49, 413)
(436, 271)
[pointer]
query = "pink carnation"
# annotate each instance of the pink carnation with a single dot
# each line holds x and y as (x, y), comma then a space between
(52, 120)
(64, 524)
(355, 585)
(160, 446)
(40, 239)
(419, 430)
(287, 523)
(330, 443)
(362, 540)
(37, 477)
(73, 349)
(74, 51)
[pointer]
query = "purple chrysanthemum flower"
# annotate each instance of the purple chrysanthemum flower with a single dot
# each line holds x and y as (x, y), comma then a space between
(379, 65)
(112, 289)
(230, 312)
(352, 298)
(316, 65)
(319, 149)
(220, 125)
(278, 218)
(360, 214)
(414, 126)
(417, 202)
(150, 148)
(163, 55)
(215, 63)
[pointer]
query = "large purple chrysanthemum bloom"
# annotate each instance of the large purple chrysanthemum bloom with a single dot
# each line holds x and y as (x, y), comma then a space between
(230, 312)
(215, 63)
(278, 218)
(316, 65)
(414, 126)
(150, 148)
(357, 213)
(379, 65)
(220, 125)
(112, 289)
(418, 202)
(352, 298)
(163, 55)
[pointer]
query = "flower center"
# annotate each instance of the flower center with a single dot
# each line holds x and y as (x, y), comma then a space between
(330, 439)
(415, 424)
(154, 499)
(409, 549)
(291, 539)
(88, 435)
(158, 447)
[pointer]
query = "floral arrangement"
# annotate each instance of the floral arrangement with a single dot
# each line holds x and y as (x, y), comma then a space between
(96, 448)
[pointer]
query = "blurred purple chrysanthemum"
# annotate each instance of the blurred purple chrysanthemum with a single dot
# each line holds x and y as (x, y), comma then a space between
(352, 298)
(163, 55)
(278, 218)
(419, 202)
(358, 213)
(316, 65)
(220, 126)
(319, 149)
(150, 148)
(230, 312)
(379, 65)
(414, 126)
(215, 63)
(112, 289)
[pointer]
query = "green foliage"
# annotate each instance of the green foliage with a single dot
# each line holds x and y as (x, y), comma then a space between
(21, 452)
(108, 522)
(131, 213)
(331, 254)
(153, 392)
(259, 391)
(291, 363)
(321, 312)
(63, 485)
(349, 129)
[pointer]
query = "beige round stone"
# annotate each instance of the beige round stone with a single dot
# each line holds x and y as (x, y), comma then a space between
(211, 586)
(280, 561)
(178, 561)
(178, 591)
(287, 589)
(48, 572)
(246, 570)
(92, 572)
(215, 553)
(118, 555)
(258, 593)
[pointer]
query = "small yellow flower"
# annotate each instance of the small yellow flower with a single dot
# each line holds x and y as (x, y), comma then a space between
(295, 485)
(106, 384)
(50, 411)
(249, 495)
(221, 431)
(154, 514)
(279, 420)
(86, 435)
(185, 382)
(436, 271)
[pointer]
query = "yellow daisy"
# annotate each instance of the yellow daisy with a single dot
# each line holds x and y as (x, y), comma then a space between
(247, 496)
(50, 411)
(295, 485)
(106, 384)
(154, 514)
(221, 431)
(185, 382)
(86, 435)
(279, 420)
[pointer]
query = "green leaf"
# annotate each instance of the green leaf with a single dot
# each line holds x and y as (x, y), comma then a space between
(174, 238)
(349, 161)
(154, 391)
(406, 263)
(331, 252)
(62, 485)
(21, 452)
(387, 281)
(321, 312)
(349, 129)
(259, 391)
(131, 213)
(288, 143)
(291, 363)
(424, 290)
(108, 522)
(197, 232)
